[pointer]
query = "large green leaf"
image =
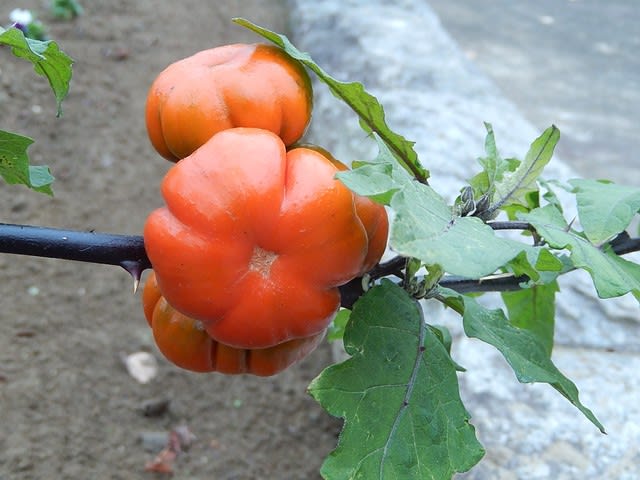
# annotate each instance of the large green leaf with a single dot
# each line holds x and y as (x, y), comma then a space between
(605, 209)
(513, 187)
(14, 164)
(521, 348)
(365, 105)
(425, 228)
(48, 60)
(398, 394)
(612, 275)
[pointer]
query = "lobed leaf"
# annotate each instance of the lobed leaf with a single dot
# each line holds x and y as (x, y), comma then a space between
(612, 275)
(398, 394)
(48, 60)
(365, 105)
(605, 209)
(525, 352)
(424, 227)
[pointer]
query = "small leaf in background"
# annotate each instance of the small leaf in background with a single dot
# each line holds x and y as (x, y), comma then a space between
(337, 326)
(14, 164)
(401, 375)
(365, 105)
(605, 209)
(66, 9)
(612, 275)
(522, 349)
(514, 186)
(425, 228)
(27, 23)
(534, 309)
(48, 60)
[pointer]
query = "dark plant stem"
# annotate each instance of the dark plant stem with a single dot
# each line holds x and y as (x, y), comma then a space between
(128, 252)
(392, 267)
(510, 225)
(624, 244)
(491, 283)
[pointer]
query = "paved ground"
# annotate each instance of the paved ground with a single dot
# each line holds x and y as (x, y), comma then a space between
(573, 63)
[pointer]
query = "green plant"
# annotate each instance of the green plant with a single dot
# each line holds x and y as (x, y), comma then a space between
(66, 9)
(400, 371)
(55, 66)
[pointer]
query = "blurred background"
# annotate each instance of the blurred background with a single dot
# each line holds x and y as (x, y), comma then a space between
(573, 63)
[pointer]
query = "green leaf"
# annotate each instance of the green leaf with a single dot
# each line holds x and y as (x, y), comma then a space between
(550, 195)
(612, 275)
(522, 349)
(398, 394)
(378, 179)
(494, 166)
(337, 326)
(66, 9)
(48, 60)
(41, 179)
(14, 164)
(365, 105)
(605, 209)
(537, 263)
(514, 186)
(443, 334)
(425, 228)
(371, 180)
(533, 309)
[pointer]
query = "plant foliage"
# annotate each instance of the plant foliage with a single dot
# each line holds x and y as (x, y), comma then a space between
(55, 65)
(398, 392)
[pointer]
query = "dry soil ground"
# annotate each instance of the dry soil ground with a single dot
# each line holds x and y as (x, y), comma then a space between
(68, 409)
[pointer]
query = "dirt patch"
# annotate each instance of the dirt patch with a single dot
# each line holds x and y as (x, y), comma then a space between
(68, 407)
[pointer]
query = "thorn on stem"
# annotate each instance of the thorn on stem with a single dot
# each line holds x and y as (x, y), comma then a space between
(135, 269)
